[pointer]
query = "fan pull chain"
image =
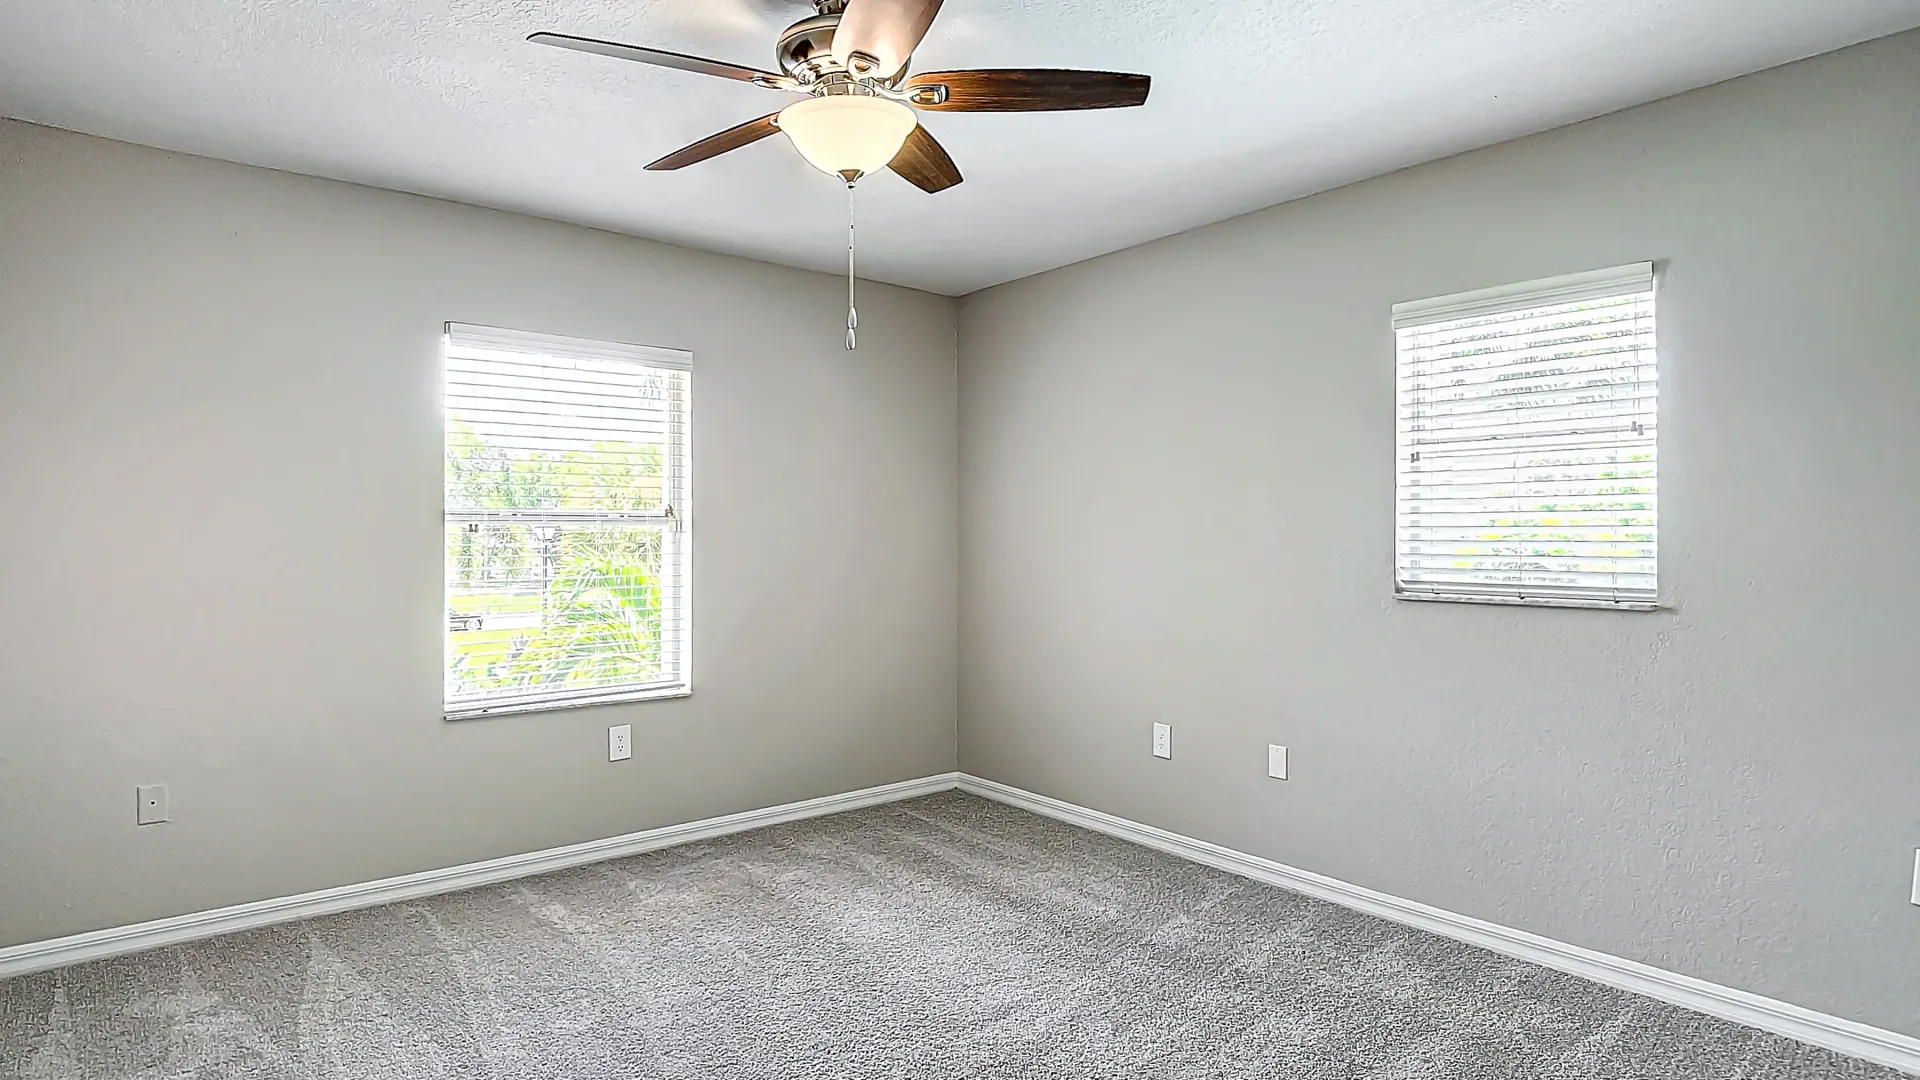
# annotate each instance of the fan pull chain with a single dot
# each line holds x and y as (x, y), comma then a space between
(853, 315)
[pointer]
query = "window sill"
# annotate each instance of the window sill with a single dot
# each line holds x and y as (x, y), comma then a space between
(1531, 601)
(623, 697)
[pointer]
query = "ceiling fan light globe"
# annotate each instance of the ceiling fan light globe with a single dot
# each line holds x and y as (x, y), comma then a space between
(847, 134)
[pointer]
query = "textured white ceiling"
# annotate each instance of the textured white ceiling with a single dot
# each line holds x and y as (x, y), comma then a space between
(1254, 102)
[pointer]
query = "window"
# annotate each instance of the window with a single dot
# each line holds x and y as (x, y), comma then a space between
(567, 524)
(1526, 443)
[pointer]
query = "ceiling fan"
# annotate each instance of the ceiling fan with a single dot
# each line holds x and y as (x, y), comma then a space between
(850, 59)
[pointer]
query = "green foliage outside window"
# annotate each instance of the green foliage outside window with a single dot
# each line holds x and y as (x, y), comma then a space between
(543, 606)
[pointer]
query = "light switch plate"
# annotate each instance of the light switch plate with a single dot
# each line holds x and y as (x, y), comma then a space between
(620, 742)
(1277, 762)
(152, 806)
(1163, 740)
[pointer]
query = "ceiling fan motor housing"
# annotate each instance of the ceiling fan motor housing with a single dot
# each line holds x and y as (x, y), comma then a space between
(806, 48)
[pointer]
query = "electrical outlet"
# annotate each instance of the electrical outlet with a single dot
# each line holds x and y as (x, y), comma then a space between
(1916, 877)
(620, 742)
(1277, 762)
(151, 809)
(1163, 740)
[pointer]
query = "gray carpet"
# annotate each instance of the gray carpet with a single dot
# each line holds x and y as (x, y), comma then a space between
(945, 937)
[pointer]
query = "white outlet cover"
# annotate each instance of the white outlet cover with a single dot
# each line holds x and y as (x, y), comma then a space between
(152, 806)
(620, 742)
(1916, 877)
(1163, 740)
(1277, 762)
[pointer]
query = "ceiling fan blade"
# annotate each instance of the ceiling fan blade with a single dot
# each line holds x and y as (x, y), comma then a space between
(662, 58)
(1026, 90)
(714, 145)
(886, 30)
(924, 163)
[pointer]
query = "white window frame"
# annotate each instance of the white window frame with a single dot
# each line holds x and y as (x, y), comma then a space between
(1631, 280)
(675, 517)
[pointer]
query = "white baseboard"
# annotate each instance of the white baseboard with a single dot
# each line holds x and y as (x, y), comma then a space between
(1842, 1036)
(139, 937)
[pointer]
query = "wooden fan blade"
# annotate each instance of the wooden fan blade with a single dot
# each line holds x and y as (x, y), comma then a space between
(924, 163)
(887, 31)
(662, 58)
(1026, 90)
(714, 145)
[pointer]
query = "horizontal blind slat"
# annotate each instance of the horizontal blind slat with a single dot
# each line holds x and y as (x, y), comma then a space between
(1440, 495)
(1469, 372)
(1567, 330)
(1492, 356)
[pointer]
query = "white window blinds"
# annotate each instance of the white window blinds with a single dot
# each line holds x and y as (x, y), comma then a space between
(1527, 468)
(566, 521)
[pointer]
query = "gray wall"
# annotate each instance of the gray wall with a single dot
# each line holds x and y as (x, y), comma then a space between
(1177, 505)
(220, 541)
